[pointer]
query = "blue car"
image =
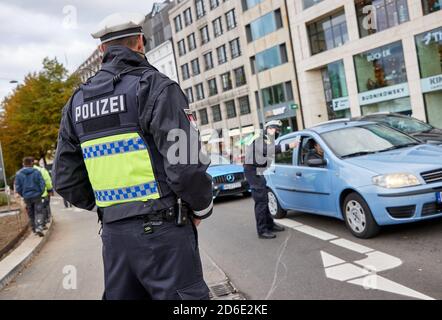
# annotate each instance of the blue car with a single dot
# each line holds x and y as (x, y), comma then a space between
(364, 173)
(228, 178)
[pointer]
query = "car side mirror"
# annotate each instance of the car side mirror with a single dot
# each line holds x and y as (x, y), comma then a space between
(316, 163)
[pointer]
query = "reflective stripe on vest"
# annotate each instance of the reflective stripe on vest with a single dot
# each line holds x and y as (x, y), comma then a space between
(120, 169)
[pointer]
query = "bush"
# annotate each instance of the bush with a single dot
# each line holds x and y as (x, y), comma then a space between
(3, 199)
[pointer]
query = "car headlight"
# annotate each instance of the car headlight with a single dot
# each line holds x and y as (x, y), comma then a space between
(396, 180)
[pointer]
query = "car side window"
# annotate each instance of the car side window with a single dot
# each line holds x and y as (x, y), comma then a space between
(285, 158)
(309, 151)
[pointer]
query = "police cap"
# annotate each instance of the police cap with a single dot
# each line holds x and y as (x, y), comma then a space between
(277, 124)
(119, 25)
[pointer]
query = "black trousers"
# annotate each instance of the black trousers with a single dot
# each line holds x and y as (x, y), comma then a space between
(35, 209)
(47, 209)
(258, 185)
(163, 265)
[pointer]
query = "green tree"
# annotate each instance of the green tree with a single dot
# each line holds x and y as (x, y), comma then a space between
(31, 118)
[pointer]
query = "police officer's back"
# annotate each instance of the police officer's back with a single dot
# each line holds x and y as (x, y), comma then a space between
(112, 153)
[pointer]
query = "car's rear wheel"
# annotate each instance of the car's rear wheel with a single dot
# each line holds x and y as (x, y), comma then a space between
(274, 207)
(358, 217)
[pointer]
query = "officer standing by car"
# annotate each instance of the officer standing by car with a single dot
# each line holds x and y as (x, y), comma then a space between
(113, 153)
(260, 152)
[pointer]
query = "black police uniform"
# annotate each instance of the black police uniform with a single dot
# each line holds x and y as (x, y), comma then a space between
(259, 155)
(146, 254)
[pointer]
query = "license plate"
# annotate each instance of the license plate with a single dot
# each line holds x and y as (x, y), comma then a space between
(439, 197)
(232, 186)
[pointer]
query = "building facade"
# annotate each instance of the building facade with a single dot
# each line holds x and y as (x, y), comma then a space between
(159, 45)
(214, 69)
(356, 57)
(271, 61)
(91, 66)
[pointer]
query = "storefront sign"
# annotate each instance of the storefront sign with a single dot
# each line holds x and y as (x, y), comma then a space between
(341, 104)
(433, 36)
(372, 56)
(384, 94)
(432, 84)
(275, 112)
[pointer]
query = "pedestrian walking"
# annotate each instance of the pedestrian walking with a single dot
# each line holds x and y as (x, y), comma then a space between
(47, 193)
(112, 153)
(30, 185)
(260, 152)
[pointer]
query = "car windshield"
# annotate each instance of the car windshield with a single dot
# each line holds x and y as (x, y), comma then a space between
(362, 140)
(407, 125)
(218, 160)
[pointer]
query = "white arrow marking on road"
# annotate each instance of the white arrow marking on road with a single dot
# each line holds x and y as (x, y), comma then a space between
(340, 270)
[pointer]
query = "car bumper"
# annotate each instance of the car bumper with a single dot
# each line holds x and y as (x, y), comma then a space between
(404, 205)
(220, 190)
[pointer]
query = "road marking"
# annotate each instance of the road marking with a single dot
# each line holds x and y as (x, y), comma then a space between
(350, 245)
(316, 233)
(376, 261)
(328, 260)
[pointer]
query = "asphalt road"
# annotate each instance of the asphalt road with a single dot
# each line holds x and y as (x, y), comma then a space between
(291, 266)
(288, 267)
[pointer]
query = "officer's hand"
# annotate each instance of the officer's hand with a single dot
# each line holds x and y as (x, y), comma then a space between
(196, 222)
(294, 145)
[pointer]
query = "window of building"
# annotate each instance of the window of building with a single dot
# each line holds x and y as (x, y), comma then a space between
(200, 9)
(222, 54)
(199, 88)
(382, 79)
(310, 3)
(231, 19)
(188, 17)
(178, 23)
(216, 113)
(204, 119)
(205, 37)
(431, 6)
(196, 67)
(235, 48)
(244, 105)
(264, 25)
(378, 15)
(213, 88)
(327, 33)
(191, 41)
(189, 94)
(226, 80)
(217, 27)
(230, 109)
(181, 48)
(208, 61)
(185, 71)
(273, 95)
(247, 4)
(429, 51)
(240, 77)
(214, 4)
(269, 58)
(335, 89)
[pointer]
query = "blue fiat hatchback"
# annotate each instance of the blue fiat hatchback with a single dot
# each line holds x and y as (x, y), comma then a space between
(366, 174)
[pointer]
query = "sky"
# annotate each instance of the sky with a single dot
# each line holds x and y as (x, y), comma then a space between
(32, 30)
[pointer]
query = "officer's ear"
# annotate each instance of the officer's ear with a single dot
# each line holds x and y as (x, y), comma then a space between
(140, 43)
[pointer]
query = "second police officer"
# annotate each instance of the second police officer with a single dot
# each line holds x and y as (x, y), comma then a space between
(112, 153)
(259, 155)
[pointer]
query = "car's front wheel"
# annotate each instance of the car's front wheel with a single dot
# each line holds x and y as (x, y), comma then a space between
(274, 207)
(358, 217)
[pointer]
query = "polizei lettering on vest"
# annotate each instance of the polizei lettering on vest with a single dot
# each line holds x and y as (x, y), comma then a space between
(100, 108)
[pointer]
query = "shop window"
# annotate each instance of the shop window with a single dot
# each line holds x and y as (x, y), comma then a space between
(378, 15)
(335, 89)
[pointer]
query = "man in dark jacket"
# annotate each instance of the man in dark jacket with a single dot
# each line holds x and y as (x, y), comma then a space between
(30, 185)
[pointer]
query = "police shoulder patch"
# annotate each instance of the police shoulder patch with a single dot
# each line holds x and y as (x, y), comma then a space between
(191, 117)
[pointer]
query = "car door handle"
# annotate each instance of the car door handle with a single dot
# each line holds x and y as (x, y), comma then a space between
(298, 174)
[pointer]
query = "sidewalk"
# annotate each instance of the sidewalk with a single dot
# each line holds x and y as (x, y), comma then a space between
(73, 243)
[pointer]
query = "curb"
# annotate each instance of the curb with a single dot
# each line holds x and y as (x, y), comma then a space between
(18, 259)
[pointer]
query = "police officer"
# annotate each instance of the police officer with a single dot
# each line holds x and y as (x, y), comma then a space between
(259, 155)
(113, 153)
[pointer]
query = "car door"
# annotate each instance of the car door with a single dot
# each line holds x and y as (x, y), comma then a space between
(313, 186)
(280, 175)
